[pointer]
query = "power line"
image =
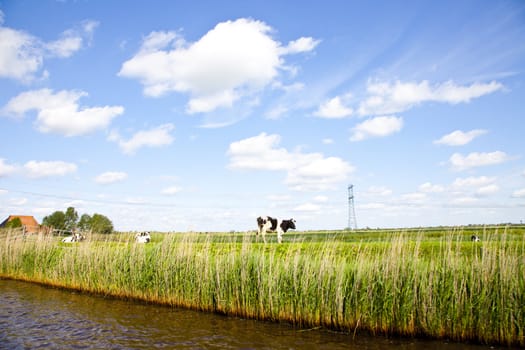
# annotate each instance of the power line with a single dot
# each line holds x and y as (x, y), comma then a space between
(103, 201)
(244, 205)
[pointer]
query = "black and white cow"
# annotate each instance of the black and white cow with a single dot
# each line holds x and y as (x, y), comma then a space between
(143, 237)
(269, 224)
(475, 238)
(75, 237)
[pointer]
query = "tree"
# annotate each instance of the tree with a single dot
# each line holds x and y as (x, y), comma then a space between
(56, 220)
(16, 222)
(85, 223)
(101, 224)
(70, 219)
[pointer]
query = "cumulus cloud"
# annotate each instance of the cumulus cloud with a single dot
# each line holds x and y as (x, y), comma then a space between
(303, 44)
(378, 191)
(460, 138)
(376, 127)
(519, 193)
(469, 182)
(171, 190)
(231, 61)
(305, 171)
(389, 98)
(5, 168)
(110, 177)
(36, 169)
(460, 162)
(480, 186)
(414, 198)
(428, 187)
(333, 109)
(307, 207)
(155, 137)
(60, 112)
(487, 190)
(22, 54)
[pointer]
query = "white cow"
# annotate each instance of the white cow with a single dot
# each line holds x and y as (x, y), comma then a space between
(75, 237)
(269, 224)
(143, 237)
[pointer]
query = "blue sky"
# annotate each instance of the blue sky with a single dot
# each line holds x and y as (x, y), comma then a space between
(203, 115)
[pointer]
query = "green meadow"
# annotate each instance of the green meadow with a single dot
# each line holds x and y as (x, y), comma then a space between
(428, 282)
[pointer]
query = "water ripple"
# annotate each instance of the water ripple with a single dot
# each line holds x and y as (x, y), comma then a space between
(36, 317)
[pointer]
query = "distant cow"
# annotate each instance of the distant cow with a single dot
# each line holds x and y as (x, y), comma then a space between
(269, 224)
(143, 237)
(475, 238)
(75, 237)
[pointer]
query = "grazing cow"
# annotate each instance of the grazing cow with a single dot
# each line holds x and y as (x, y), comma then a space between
(269, 224)
(475, 238)
(75, 237)
(143, 237)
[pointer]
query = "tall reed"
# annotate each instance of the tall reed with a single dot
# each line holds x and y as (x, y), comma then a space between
(405, 283)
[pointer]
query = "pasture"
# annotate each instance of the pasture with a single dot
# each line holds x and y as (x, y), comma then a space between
(431, 282)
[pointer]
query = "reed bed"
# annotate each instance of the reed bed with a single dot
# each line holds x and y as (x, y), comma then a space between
(405, 283)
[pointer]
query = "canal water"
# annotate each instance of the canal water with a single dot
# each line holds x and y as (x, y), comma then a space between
(38, 317)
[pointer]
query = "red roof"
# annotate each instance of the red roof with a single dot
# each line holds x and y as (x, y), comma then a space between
(27, 220)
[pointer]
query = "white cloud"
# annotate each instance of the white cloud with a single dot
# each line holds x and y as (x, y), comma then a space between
(22, 54)
(6, 169)
(231, 61)
(376, 127)
(379, 191)
(72, 40)
(305, 171)
(388, 98)
(278, 197)
(314, 172)
(487, 190)
(307, 207)
(328, 141)
(475, 159)
(303, 44)
(333, 109)
(156, 137)
(372, 206)
(428, 187)
(60, 112)
(276, 112)
(481, 185)
(171, 190)
(464, 201)
(111, 177)
(480, 181)
(460, 138)
(519, 193)
(415, 197)
(259, 153)
(321, 199)
(37, 169)
(18, 201)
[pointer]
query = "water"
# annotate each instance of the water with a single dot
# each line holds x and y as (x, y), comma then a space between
(37, 317)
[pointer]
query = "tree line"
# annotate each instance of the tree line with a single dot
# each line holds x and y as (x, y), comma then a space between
(70, 221)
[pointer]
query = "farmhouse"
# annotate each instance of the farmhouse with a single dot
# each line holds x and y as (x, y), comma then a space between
(28, 222)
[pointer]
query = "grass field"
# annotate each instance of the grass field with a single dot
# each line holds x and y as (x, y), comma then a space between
(431, 282)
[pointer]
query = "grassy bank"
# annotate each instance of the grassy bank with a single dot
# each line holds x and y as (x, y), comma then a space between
(413, 282)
